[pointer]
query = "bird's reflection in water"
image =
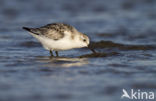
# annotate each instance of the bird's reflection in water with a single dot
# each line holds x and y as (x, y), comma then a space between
(61, 61)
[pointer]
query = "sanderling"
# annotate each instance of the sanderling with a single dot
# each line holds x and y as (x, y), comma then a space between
(58, 37)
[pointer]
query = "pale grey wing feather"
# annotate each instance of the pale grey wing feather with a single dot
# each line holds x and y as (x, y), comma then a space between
(56, 30)
(49, 33)
(53, 31)
(53, 34)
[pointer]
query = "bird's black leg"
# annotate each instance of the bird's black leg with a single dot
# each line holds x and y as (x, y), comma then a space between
(51, 53)
(57, 53)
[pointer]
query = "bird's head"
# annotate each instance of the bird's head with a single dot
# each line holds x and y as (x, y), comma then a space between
(83, 40)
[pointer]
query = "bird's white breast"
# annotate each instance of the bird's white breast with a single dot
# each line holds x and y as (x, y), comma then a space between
(61, 44)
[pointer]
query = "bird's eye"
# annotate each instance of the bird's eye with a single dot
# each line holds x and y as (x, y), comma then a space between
(84, 40)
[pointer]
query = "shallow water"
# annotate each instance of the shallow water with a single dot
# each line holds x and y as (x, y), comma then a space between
(123, 35)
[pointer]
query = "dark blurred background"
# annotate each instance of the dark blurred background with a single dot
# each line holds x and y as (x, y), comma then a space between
(88, 15)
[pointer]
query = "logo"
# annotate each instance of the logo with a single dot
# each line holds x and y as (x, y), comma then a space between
(137, 94)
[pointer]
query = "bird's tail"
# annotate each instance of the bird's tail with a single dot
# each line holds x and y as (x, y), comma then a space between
(28, 29)
(32, 30)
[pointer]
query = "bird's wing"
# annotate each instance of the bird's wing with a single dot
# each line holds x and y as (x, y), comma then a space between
(53, 31)
(47, 32)
(52, 34)
(33, 30)
(56, 31)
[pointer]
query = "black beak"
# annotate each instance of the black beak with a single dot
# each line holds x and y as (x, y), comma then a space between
(91, 49)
